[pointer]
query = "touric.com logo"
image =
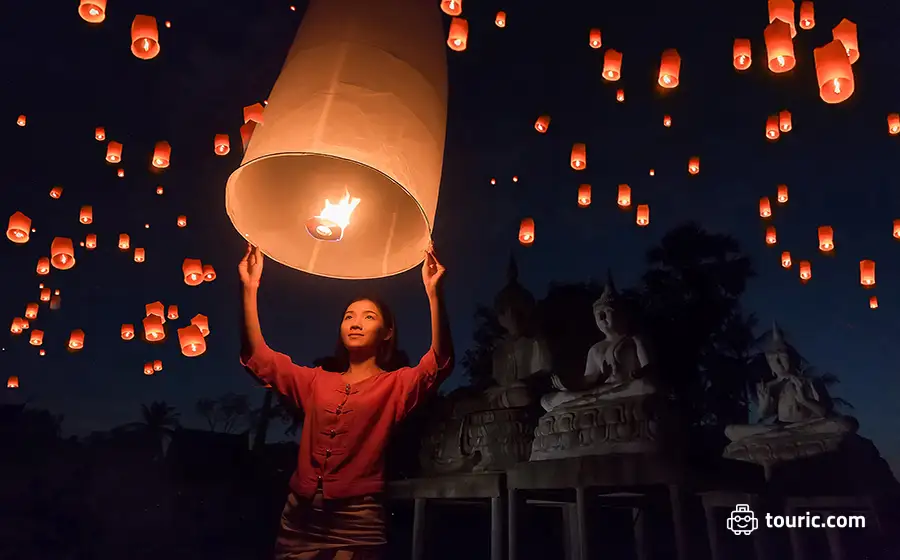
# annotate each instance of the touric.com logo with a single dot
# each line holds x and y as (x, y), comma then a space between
(742, 521)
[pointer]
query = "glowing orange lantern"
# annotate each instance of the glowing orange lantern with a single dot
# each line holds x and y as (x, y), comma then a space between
(25, 324)
(595, 39)
(193, 272)
(43, 266)
(92, 11)
(56, 192)
(254, 113)
(694, 165)
(153, 328)
(620, 95)
(157, 365)
(742, 54)
(578, 159)
(17, 326)
(162, 153)
(182, 221)
(526, 231)
(156, 308)
(826, 239)
(19, 228)
(21, 120)
(12, 382)
(873, 302)
(221, 144)
(31, 311)
(100, 134)
(669, 68)
(36, 338)
(493, 181)
(139, 255)
(45, 294)
(623, 199)
(765, 207)
(897, 229)
(127, 331)
(542, 123)
(55, 302)
(845, 32)
(76, 340)
(144, 37)
(771, 236)
(247, 133)
(772, 132)
(515, 179)
(779, 47)
(867, 273)
(500, 19)
(782, 194)
(191, 341)
(783, 10)
(159, 190)
(172, 313)
(209, 273)
(42, 352)
(202, 323)
(612, 65)
(86, 216)
(652, 173)
(786, 259)
(148, 368)
(62, 253)
(451, 7)
(894, 124)
(90, 241)
(667, 121)
(807, 15)
(643, 214)
(114, 152)
(584, 196)
(459, 34)
(120, 173)
(833, 72)
(805, 271)
(784, 121)
(124, 241)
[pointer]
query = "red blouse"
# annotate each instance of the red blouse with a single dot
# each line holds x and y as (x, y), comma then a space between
(346, 427)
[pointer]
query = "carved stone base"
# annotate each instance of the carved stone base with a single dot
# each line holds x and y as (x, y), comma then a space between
(627, 425)
(768, 451)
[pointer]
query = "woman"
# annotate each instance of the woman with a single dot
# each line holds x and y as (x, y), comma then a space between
(334, 509)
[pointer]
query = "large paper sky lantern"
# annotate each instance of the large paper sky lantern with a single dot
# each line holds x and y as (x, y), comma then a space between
(360, 107)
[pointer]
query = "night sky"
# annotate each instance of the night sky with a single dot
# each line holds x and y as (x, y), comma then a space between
(69, 77)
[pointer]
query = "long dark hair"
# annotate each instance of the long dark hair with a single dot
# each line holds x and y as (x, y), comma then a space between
(387, 357)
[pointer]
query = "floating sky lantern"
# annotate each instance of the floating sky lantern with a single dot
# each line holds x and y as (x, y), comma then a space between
(99, 134)
(765, 207)
(76, 340)
(17, 326)
(154, 331)
(12, 382)
(157, 365)
(221, 144)
(168, 24)
(209, 273)
(160, 190)
(779, 47)
(45, 294)
(62, 253)
(652, 172)
(56, 192)
(144, 37)
(694, 165)
(643, 215)
(31, 311)
(542, 124)
(584, 196)
(623, 197)
(36, 338)
(612, 65)
(330, 129)
(783, 10)
(139, 255)
(833, 72)
(120, 173)
(667, 121)
(182, 221)
(669, 69)
(845, 32)
(19, 228)
(172, 312)
(124, 241)
(894, 124)
(786, 259)
(578, 158)
(896, 229)
(254, 113)
(826, 239)
(191, 341)
(785, 123)
(156, 308)
(595, 38)
(21, 120)
(114, 152)
(526, 231)
(772, 132)
(807, 15)
(805, 271)
(202, 323)
(86, 215)
(247, 133)
(192, 269)
(771, 236)
(451, 7)
(26, 324)
(867, 273)
(127, 331)
(515, 179)
(743, 56)
(55, 302)
(162, 154)
(458, 37)
(43, 266)
(873, 302)
(92, 11)
(620, 95)
(493, 181)
(148, 368)
(782, 194)
(500, 19)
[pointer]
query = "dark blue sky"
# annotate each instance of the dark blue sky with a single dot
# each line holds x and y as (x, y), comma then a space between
(69, 77)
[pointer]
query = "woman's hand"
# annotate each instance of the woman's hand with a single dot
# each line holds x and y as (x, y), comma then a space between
(250, 267)
(432, 272)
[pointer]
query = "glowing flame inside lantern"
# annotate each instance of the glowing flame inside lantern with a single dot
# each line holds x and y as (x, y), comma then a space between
(331, 222)
(837, 85)
(780, 60)
(94, 12)
(146, 44)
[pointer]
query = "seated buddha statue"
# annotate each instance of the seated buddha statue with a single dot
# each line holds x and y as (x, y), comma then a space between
(618, 366)
(790, 403)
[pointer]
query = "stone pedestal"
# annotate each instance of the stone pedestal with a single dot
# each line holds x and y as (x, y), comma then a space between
(626, 425)
(767, 451)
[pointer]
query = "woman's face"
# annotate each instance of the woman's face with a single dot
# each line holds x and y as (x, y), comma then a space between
(363, 326)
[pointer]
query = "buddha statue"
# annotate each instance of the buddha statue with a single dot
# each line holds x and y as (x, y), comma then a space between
(616, 367)
(790, 404)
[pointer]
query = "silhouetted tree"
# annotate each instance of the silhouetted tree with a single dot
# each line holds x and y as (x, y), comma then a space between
(231, 410)
(158, 422)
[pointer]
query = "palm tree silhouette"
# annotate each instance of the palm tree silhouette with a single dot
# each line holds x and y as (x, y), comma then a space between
(158, 422)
